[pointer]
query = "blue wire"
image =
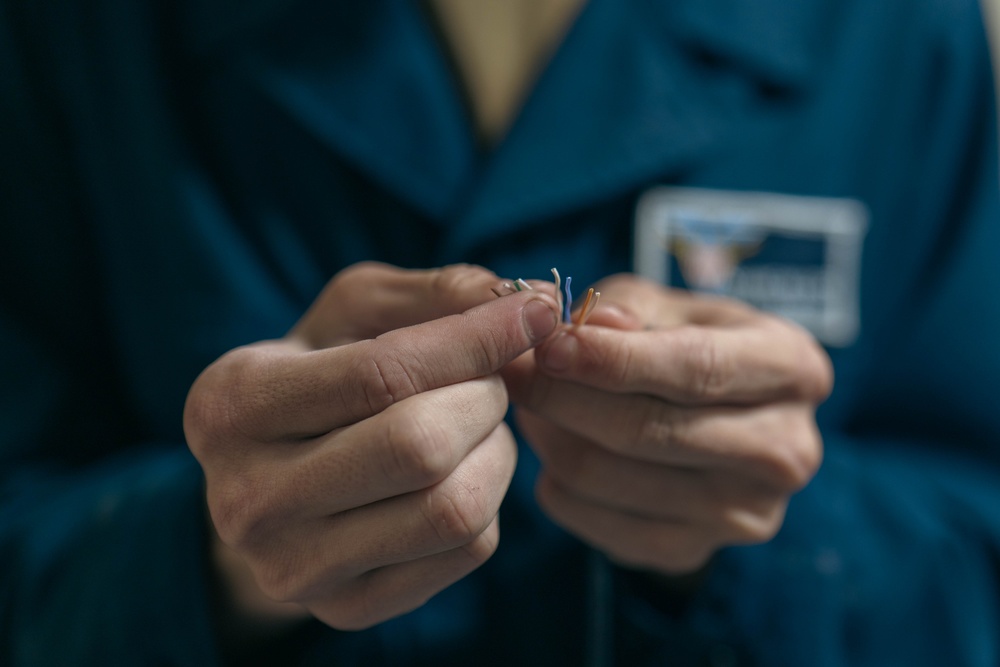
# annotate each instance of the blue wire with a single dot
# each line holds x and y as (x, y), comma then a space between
(569, 299)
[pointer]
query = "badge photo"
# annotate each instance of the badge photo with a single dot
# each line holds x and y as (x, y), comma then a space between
(797, 257)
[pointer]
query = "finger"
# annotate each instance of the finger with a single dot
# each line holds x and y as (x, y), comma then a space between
(668, 547)
(370, 298)
(693, 365)
(777, 443)
(276, 392)
(412, 445)
(643, 489)
(397, 589)
(638, 542)
(659, 307)
(344, 546)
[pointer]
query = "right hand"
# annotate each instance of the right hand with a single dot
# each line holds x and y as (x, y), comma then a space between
(356, 467)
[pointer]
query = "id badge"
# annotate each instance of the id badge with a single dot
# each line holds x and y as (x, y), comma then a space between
(797, 257)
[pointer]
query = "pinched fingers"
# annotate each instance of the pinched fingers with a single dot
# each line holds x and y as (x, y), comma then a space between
(778, 443)
(328, 562)
(738, 507)
(391, 591)
(323, 465)
(276, 392)
(671, 547)
(412, 445)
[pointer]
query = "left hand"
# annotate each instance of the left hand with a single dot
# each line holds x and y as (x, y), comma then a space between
(671, 425)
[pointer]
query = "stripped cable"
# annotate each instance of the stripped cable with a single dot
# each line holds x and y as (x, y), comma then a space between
(563, 294)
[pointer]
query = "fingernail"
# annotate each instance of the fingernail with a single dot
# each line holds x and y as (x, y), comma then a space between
(539, 319)
(560, 353)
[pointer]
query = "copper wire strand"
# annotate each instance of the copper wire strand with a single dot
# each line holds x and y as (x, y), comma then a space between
(583, 310)
(523, 284)
(588, 307)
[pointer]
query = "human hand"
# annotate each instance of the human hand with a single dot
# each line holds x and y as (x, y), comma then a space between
(355, 467)
(671, 425)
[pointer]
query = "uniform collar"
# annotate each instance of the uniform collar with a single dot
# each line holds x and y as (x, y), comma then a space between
(774, 40)
(623, 101)
(368, 79)
(639, 92)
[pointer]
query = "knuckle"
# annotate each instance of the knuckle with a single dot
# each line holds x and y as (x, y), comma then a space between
(811, 371)
(357, 278)
(455, 513)
(615, 358)
(497, 349)
(352, 616)
(279, 580)
(454, 286)
(706, 366)
(792, 464)
(360, 606)
(803, 456)
(217, 404)
(451, 278)
(242, 389)
(417, 449)
(659, 427)
(749, 527)
(492, 347)
(240, 510)
(205, 411)
(817, 374)
(482, 548)
(384, 378)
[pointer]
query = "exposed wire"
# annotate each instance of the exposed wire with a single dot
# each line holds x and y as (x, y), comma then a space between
(589, 304)
(563, 294)
(558, 280)
(569, 300)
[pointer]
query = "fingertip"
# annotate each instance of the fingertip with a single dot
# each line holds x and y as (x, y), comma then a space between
(539, 317)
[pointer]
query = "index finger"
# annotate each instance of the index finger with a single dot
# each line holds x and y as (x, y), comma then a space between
(303, 394)
(370, 298)
(692, 364)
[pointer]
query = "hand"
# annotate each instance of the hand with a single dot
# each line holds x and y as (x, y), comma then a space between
(671, 425)
(355, 468)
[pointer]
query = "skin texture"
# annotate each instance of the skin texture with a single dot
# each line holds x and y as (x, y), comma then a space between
(671, 425)
(356, 467)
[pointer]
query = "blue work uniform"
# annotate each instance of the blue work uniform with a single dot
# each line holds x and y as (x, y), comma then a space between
(180, 178)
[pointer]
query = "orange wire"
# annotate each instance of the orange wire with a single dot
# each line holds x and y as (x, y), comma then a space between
(586, 304)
